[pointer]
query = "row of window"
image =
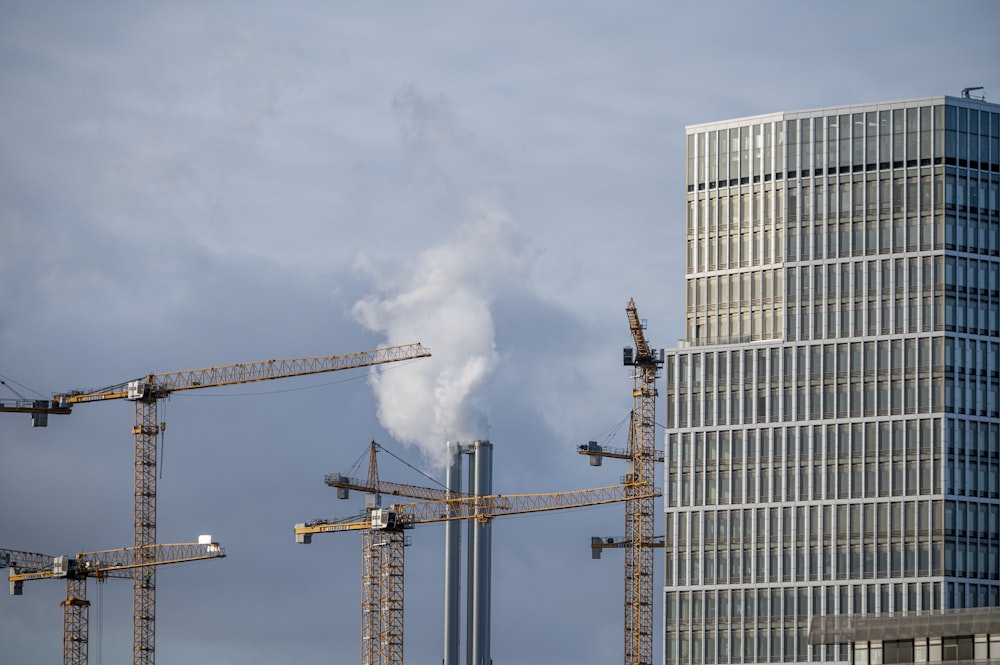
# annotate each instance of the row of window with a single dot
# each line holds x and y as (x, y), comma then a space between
(859, 237)
(761, 625)
(850, 560)
(832, 241)
(968, 648)
(745, 323)
(844, 280)
(875, 199)
(836, 461)
(846, 142)
(896, 439)
(819, 381)
(803, 525)
(854, 480)
(875, 540)
(772, 625)
(781, 605)
(875, 397)
(868, 224)
(845, 299)
(689, 369)
(916, 274)
(860, 478)
(739, 627)
(832, 319)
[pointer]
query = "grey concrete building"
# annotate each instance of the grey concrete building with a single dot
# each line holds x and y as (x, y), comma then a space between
(832, 415)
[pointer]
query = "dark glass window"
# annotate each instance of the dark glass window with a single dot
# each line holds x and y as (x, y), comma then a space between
(957, 648)
(897, 651)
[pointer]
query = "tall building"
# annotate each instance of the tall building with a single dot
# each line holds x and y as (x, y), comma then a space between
(833, 422)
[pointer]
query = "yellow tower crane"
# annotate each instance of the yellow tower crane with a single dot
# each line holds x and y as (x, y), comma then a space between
(147, 393)
(382, 562)
(100, 565)
(383, 543)
(642, 455)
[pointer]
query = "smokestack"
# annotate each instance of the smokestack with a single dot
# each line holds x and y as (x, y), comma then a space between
(452, 560)
(481, 550)
(470, 566)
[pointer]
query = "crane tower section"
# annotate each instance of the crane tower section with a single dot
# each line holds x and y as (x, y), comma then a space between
(639, 509)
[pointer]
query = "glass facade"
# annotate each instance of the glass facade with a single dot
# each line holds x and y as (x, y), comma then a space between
(833, 417)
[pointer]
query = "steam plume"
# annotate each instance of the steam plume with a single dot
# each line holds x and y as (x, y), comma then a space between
(442, 299)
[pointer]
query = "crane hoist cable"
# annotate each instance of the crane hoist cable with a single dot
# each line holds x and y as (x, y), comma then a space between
(410, 466)
(6, 381)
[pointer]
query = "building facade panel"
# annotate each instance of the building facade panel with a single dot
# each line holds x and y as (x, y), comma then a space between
(833, 422)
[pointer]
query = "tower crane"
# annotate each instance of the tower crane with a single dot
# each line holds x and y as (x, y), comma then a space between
(383, 543)
(147, 393)
(642, 455)
(123, 563)
(382, 565)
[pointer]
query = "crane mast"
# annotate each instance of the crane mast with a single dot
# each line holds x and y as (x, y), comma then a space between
(382, 564)
(642, 456)
(639, 509)
(147, 393)
(120, 563)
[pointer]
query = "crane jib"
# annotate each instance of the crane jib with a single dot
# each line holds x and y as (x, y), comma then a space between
(155, 386)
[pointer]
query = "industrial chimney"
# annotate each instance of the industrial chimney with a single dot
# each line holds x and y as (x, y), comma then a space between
(478, 591)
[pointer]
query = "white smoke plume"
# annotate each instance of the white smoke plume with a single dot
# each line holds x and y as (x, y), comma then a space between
(442, 298)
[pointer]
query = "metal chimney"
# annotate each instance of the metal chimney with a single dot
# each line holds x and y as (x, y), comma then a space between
(452, 561)
(481, 559)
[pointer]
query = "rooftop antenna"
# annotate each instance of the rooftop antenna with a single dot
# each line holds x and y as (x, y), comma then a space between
(967, 93)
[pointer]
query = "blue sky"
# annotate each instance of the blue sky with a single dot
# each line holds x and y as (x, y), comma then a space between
(184, 186)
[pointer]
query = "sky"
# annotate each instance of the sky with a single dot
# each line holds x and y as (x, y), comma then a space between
(187, 185)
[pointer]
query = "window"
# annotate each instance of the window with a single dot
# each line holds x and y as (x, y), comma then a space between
(897, 651)
(957, 648)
